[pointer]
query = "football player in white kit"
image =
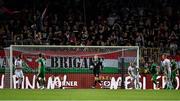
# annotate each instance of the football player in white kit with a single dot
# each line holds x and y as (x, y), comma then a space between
(166, 63)
(18, 70)
(134, 74)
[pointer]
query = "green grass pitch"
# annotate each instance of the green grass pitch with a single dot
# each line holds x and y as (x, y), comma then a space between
(88, 94)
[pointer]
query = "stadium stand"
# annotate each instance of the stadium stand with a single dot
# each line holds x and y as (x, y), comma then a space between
(145, 23)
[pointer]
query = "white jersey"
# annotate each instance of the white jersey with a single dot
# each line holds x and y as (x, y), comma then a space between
(166, 64)
(18, 63)
(18, 71)
(131, 70)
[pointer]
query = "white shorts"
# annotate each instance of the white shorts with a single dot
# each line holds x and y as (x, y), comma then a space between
(19, 73)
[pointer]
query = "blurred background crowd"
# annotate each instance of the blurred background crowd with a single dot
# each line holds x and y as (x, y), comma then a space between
(144, 23)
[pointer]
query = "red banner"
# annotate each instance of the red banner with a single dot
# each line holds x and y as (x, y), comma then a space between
(86, 81)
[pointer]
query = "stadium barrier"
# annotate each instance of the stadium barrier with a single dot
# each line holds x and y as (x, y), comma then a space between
(86, 80)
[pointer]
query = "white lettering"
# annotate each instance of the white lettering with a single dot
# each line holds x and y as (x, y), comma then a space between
(22, 84)
(128, 82)
(177, 80)
(154, 85)
(2, 82)
(28, 84)
(57, 82)
(144, 82)
(75, 83)
(64, 80)
(50, 84)
(114, 83)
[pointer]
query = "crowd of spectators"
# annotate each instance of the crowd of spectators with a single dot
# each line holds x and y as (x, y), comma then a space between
(146, 23)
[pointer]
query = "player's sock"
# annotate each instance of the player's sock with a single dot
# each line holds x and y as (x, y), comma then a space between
(95, 82)
(154, 82)
(165, 86)
(138, 86)
(174, 84)
(40, 83)
(94, 85)
(100, 83)
(19, 83)
(171, 85)
(43, 82)
(168, 85)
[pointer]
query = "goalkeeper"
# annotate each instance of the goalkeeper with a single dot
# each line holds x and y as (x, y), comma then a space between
(41, 71)
(97, 65)
(154, 72)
